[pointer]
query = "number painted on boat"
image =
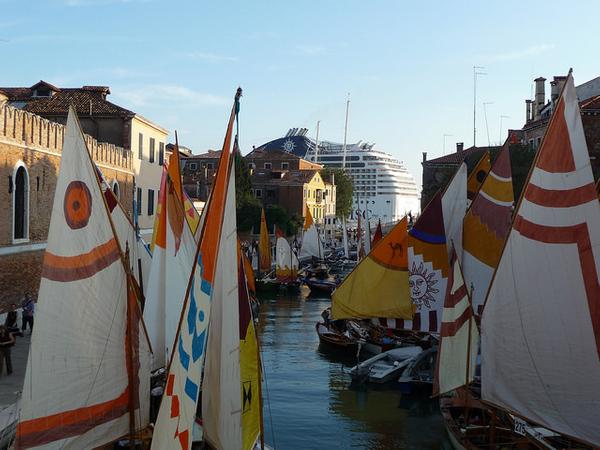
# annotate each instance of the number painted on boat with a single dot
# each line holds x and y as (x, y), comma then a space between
(520, 426)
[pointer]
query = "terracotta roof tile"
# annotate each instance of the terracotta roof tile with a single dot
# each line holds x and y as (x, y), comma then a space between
(591, 103)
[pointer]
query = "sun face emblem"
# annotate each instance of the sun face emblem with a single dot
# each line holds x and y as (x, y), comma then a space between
(421, 285)
(289, 145)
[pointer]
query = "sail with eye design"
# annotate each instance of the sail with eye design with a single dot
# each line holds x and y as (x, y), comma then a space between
(86, 385)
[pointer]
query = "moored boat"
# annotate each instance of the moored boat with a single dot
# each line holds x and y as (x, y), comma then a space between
(385, 366)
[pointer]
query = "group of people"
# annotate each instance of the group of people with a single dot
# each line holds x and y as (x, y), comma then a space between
(10, 329)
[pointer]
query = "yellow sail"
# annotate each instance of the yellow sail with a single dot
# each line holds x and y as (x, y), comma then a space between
(264, 245)
(477, 176)
(378, 286)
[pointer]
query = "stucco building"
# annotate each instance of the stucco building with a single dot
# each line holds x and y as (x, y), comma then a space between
(105, 122)
(30, 151)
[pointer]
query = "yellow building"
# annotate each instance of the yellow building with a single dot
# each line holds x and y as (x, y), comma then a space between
(148, 142)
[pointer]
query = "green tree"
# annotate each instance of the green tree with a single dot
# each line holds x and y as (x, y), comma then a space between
(344, 190)
(247, 206)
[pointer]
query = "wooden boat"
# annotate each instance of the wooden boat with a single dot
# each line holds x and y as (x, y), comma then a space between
(384, 367)
(335, 338)
(321, 286)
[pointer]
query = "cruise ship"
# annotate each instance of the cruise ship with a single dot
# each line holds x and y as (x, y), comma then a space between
(382, 185)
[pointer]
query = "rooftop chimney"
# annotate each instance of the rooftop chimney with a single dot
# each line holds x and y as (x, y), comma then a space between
(424, 156)
(528, 111)
(459, 147)
(540, 96)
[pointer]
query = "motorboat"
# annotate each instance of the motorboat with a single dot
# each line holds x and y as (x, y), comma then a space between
(385, 366)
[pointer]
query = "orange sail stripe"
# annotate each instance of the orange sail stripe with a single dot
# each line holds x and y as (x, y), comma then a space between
(47, 429)
(561, 199)
(78, 267)
(214, 214)
(557, 155)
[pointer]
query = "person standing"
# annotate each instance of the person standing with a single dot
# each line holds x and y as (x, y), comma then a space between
(7, 340)
(28, 310)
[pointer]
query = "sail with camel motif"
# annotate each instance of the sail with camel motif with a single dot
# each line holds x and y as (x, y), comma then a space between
(286, 265)
(89, 360)
(485, 228)
(177, 411)
(459, 337)
(477, 176)
(428, 260)
(541, 321)
(378, 285)
(264, 245)
(312, 247)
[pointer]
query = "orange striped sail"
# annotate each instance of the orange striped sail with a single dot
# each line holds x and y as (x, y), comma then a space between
(89, 364)
(177, 412)
(486, 226)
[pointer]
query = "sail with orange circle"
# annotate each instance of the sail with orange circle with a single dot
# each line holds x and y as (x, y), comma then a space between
(89, 360)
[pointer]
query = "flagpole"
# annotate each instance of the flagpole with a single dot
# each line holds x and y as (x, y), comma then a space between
(345, 133)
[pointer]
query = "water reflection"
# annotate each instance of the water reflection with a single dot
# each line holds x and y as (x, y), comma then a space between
(312, 403)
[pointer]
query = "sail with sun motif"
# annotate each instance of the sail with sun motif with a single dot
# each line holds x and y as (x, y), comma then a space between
(89, 360)
(378, 285)
(428, 253)
(541, 320)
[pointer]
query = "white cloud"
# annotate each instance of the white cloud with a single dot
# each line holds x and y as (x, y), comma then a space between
(519, 54)
(207, 56)
(144, 95)
(310, 49)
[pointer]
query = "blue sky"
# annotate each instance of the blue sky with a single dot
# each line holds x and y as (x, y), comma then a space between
(408, 66)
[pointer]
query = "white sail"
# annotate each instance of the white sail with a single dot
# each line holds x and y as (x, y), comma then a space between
(459, 337)
(221, 388)
(176, 416)
(286, 265)
(345, 239)
(454, 207)
(311, 241)
(541, 321)
(171, 266)
(77, 392)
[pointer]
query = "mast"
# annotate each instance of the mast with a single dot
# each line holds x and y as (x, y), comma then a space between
(345, 133)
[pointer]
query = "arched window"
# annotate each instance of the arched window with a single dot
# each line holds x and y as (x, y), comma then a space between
(20, 203)
(116, 189)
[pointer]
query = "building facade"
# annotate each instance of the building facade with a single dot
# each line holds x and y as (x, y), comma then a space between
(30, 150)
(105, 122)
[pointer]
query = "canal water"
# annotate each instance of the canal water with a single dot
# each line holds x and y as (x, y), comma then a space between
(308, 400)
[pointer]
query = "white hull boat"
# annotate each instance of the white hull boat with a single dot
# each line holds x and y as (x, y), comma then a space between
(385, 366)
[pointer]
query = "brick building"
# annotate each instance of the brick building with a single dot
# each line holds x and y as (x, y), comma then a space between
(105, 122)
(278, 160)
(198, 172)
(30, 149)
(438, 171)
(539, 111)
